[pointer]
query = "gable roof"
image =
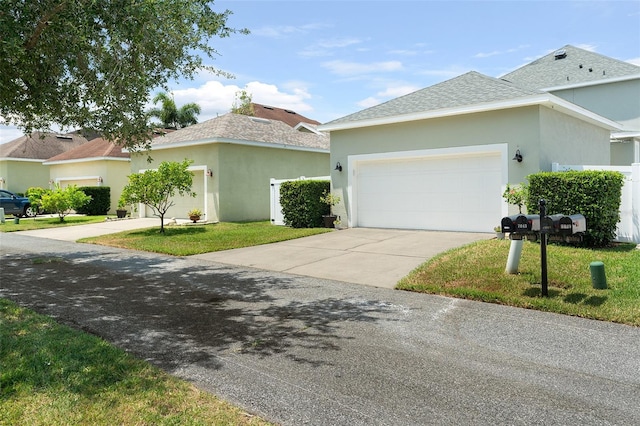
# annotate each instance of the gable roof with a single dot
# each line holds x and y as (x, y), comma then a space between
(287, 116)
(98, 148)
(40, 146)
(242, 129)
(571, 66)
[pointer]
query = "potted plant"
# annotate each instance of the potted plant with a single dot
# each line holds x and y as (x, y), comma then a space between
(194, 215)
(121, 211)
(331, 200)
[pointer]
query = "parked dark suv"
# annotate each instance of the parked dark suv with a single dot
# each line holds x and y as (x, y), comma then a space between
(15, 205)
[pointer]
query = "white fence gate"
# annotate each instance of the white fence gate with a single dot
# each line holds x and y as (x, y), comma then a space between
(277, 218)
(629, 226)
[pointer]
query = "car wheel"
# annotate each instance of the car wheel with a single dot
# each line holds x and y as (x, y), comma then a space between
(29, 212)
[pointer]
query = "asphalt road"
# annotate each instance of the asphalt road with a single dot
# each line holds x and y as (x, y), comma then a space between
(299, 350)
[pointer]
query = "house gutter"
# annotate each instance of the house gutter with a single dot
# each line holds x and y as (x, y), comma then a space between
(200, 142)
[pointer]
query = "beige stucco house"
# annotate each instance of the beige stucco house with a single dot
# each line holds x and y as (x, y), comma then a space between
(440, 158)
(22, 160)
(95, 163)
(233, 159)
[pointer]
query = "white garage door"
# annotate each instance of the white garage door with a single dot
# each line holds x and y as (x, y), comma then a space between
(449, 193)
(182, 205)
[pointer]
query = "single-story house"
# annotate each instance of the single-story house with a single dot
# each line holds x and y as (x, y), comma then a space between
(440, 158)
(95, 163)
(607, 86)
(21, 160)
(234, 157)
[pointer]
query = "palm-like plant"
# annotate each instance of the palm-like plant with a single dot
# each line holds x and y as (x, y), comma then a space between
(170, 116)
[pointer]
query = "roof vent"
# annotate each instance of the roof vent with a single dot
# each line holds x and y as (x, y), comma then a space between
(560, 54)
(267, 107)
(260, 120)
(289, 111)
(66, 137)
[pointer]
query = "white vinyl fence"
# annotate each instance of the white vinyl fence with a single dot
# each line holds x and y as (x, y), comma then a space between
(629, 226)
(277, 218)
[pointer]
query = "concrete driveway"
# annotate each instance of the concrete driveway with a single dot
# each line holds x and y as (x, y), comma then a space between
(377, 257)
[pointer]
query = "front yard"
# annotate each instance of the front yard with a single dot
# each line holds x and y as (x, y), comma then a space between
(477, 271)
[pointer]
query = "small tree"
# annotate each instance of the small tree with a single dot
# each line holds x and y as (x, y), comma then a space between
(242, 104)
(63, 200)
(156, 188)
(516, 195)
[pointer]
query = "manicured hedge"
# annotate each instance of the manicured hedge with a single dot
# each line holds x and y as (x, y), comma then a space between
(593, 193)
(100, 200)
(301, 205)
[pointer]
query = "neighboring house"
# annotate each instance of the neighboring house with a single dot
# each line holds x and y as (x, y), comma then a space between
(95, 163)
(606, 86)
(440, 158)
(21, 160)
(234, 157)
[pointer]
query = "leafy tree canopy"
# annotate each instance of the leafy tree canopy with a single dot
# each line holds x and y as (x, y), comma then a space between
(156, 188)
(93, 63)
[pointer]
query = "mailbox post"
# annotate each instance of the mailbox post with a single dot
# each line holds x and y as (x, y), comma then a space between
(543, 249)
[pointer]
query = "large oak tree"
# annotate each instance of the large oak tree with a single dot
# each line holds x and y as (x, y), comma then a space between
(93, 63)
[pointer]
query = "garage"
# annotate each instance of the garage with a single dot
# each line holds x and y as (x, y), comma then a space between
(450, 192)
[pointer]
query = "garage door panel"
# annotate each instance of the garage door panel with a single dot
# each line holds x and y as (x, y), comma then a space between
(440, 193)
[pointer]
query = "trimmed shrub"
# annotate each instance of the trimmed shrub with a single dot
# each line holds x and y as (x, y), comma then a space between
(595, 194)
(100, 200)
(301, 205)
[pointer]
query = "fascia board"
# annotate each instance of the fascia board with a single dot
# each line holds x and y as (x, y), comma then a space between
(85, 160)
(592, 83)
(27, 160)
(625, 135)
(200, 142)
(545, 99)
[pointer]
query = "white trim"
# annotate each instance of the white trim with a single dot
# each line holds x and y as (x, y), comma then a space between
(199, 142)
(546, 99)
(85, 160)
(65, 179)
(592, 83)
(353, 160)
(30, 160)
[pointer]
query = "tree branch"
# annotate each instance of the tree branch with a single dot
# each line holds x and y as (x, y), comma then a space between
(42, 24)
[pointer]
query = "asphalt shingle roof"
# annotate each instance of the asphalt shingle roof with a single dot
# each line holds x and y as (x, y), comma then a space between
(97, 148)
(471, 88)
(573, 66)
(40, 146)
(235, 127)
(292, 118)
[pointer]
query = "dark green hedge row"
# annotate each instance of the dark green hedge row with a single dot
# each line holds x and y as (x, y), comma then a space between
(100, 200)
(593, 193)
(301, 205)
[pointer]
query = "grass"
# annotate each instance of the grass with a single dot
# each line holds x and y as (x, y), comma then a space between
(477, 272)
(28, 224)
(197, 239)
(54, 375)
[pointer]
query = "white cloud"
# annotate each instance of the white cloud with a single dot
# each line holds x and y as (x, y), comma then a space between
(386, 94)
(9, 133)
(281, 31)
(355, 68)
(500, 52)
(326, 47)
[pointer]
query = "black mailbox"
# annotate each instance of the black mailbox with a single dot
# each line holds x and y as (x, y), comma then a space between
(550, 224)
(563, 224)
(520, 223)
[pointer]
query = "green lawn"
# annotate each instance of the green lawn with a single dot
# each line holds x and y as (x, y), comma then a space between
(28, 224)
(477, 272)
(197, 239)
(54, 375)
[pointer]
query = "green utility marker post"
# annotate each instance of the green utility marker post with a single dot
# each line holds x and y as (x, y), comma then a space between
(598, 278)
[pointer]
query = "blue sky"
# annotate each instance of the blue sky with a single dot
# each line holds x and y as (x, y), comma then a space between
(327, 59)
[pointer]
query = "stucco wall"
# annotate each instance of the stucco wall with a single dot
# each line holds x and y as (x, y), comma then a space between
(245, 172)
(239, 187)
(84, 173)
(567, 140)
(617, 101)
(625, 153)
(21, 175)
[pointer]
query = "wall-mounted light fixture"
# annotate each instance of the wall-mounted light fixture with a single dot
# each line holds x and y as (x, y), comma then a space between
(518, 156)
(209, 172)
(2, 181)
(338, 166)
(100, 179)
